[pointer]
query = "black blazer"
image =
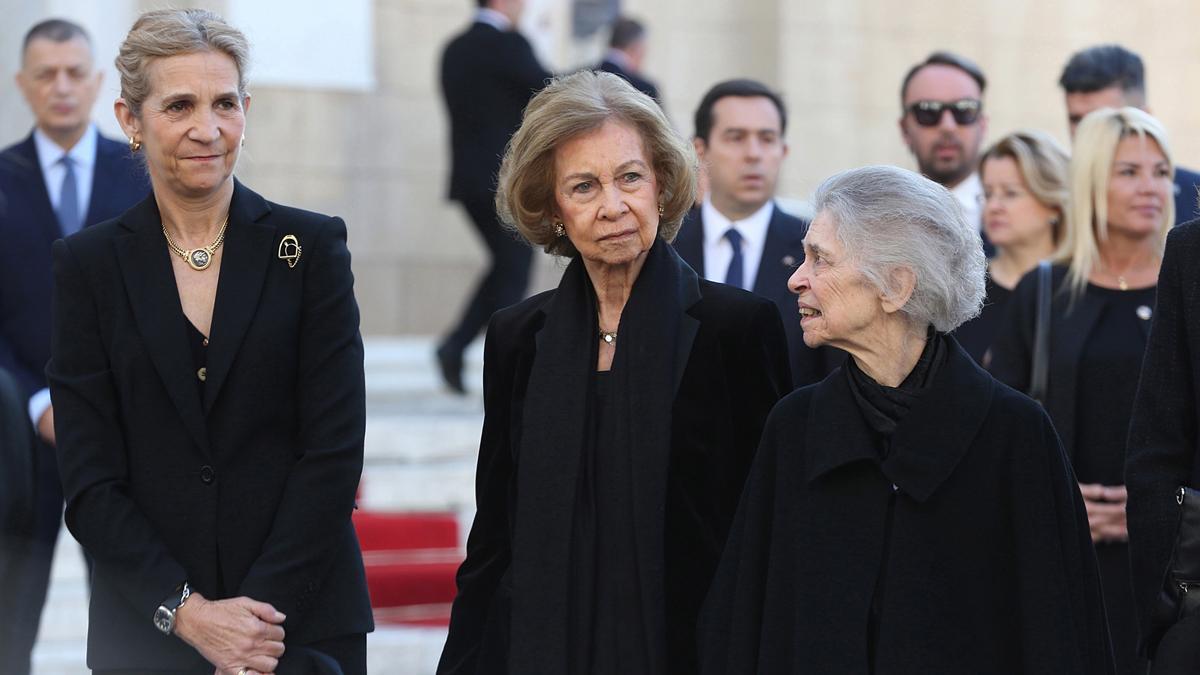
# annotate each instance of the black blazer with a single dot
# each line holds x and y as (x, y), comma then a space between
(28, 226)
(969, 541)
(1072, 320)
(783, 252)
(18, 477)
(734, 372)
(246, 492)
(640, 83)
(487, 77)
(1164, 447)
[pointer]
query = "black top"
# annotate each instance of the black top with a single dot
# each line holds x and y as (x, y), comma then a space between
(1109, 368)
(609, 630)
(977, 335)
(198, 344)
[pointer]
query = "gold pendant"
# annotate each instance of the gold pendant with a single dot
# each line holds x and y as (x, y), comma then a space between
(1124, 285)
(199, 259)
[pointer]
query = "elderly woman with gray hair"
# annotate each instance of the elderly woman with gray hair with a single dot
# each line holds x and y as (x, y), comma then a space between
(622, 408)
(909, 514)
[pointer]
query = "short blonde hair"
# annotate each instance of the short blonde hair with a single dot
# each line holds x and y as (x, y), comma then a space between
(1043, 165)
(171, 32)
(572, 105)
(1096, 142)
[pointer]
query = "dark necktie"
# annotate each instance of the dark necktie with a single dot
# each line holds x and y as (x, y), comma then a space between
(735, 276)
(68, 200)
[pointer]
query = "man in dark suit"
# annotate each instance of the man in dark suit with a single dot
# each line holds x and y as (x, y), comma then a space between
(489, 72)
(1110, 76)
(64, 176)
(738, 235)
(626, 51)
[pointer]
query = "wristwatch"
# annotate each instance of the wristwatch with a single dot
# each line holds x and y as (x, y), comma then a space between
(164, 616)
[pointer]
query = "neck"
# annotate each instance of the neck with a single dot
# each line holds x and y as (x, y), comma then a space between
(732, 209)
(613, 284)
(1012, 262)
(1122, 253)
(65, 138)
(195, 220)
(890, 354)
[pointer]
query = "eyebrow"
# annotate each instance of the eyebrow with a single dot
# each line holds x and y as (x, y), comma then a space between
(188, 96)
(815, 248)
(620, 167)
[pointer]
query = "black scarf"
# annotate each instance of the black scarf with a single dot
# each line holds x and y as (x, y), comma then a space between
(884, 407)
(653, 347)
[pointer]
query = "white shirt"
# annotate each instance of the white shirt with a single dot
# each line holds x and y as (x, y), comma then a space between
(83, 155)
(718, 252)
(493, 18)
(969, 194)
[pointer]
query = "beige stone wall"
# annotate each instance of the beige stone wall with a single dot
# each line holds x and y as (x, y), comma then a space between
(379, 158)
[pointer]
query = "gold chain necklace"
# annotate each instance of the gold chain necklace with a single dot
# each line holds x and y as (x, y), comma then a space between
(198, 258)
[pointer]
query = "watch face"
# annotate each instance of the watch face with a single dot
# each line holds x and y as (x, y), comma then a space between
(164, 620)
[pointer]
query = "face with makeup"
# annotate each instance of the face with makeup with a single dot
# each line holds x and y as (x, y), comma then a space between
(606, 195)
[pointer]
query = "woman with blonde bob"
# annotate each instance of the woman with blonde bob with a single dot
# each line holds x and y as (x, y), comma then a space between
(622, 408)
(1102, 299)
(1024, 178)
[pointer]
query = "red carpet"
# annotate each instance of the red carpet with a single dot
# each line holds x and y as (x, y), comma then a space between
(411, 559)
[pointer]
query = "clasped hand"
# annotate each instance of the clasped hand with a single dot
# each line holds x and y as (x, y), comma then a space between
(233, 634)
(1105, 511)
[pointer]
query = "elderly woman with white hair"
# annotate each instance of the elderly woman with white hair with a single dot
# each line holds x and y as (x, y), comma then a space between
(908, 514)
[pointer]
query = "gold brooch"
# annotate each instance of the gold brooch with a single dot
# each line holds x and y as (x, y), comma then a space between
(289, 250)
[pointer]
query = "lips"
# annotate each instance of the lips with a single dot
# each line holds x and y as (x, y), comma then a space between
(619, 235)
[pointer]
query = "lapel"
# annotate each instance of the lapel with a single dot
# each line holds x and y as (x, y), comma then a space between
(1069, 329)
(104, 181)
(248, 253)
(689, 243)
(783, 250)
(689, 296)
(930, 440)
(146, 268)
(34, 184)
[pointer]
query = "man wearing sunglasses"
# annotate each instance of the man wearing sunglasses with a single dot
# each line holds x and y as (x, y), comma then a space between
(1110, 76)
(943, 124)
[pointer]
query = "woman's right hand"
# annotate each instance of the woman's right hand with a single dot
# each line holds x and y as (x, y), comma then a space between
(233, 634)
(1105, 511)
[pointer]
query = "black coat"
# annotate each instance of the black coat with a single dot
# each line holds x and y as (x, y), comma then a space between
(487, 76)
(246, 492)
(984, 565)
(28, 226)
(783, 252)
(1187, 185)
(729, 369)
(1164, 449)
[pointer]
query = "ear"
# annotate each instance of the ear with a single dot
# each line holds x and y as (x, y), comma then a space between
(700, 146)
(125, 117)
(903, 282)
(246, 103)
(904, 135)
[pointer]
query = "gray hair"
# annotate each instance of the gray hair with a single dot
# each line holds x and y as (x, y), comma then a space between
(888, 219)
(171, 32)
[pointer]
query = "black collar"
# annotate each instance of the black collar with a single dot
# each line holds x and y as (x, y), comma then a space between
(927, 444)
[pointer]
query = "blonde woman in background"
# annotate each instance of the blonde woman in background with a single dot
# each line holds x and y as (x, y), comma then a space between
(1104, 281)
(1024, 178)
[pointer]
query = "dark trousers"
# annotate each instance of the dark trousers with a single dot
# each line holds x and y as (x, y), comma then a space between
(506, 279)
(30, 596)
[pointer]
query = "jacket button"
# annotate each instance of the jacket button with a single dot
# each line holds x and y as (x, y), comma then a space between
(207, 475)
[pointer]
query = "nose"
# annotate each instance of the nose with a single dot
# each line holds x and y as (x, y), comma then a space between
(612, 202)
(946, 120)
(205, 127)
(798, 282)
(62, 82)
(754, 148)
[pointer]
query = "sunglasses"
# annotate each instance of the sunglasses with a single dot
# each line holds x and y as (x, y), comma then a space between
(929, 113)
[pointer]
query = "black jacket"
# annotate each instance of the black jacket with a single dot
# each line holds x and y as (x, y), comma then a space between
(487, 77)
(246, 492)
(730, 368)
(27, 227)
(1163, 445)
(970, 538)
(783, 252)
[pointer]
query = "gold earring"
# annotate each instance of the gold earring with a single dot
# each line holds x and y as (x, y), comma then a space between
(243, 140)
(560, 230)
(661, 209)
(134, 144)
